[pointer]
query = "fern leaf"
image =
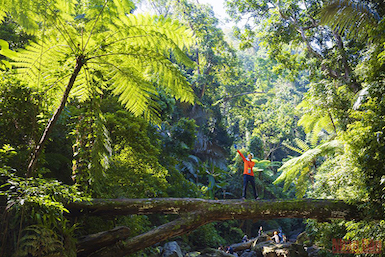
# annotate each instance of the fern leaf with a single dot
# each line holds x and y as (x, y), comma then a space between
(301, 144)
(350, 17)
(295, 149)
(31, 13)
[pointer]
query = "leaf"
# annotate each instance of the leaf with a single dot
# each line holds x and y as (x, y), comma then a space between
(4, 49)
(349, 17)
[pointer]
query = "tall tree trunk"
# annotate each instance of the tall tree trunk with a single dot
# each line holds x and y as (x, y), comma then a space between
(80, 61)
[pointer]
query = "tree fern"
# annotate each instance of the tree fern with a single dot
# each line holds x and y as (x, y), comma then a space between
(297, 169)
(131, 55)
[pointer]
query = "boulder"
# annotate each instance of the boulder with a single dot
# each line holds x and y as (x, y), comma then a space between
(249, 253)
(312, 251)
(211, 252)
(193, 254)
(171, 249)
(270, 249)
(303, 239)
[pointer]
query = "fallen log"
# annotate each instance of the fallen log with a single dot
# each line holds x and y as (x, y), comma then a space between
(226, 209)
(92, 243)
(194, 213)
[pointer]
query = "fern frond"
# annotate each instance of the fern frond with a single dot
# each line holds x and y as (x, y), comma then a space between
(295, 149)
(43, 63)
(301, 144)
(31, 13)
(134, 72)
(39, 241)
(302, 164)
(350, 17)
(159, 34)
(3, 14)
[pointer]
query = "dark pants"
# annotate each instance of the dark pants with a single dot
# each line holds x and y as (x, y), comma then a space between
(246, 180)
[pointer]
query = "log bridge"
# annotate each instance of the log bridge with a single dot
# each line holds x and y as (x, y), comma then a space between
(191, 213)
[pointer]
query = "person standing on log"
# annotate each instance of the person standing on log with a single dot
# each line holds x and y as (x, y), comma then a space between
(248, 174)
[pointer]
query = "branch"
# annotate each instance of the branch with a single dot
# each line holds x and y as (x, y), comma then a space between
(332, 73)
(347, 76)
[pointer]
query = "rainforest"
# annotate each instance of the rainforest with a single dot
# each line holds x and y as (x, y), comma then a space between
(158, 128)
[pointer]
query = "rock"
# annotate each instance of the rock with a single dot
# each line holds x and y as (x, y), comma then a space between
(211, 252)
(192, 254)
(171, 249)
(275, 250)
(298, 251)
(312, 251)
(294, 234)
(249, 253)
(270, 249)
(303, 239)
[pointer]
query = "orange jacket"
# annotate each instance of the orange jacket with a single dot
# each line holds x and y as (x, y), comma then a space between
(247, 165)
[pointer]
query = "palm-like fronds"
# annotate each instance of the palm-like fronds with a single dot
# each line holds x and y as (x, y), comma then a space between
(298, 168)
(315, 121)
(350, 17)
(105, 46)
(32, 13)
(39, 241)
(302, 146)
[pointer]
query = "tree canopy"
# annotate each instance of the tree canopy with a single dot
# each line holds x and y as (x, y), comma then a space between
(101, 101)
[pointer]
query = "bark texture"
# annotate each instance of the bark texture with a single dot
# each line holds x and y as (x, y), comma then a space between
(95, 242)
(55, 117)
(194, 213)
(220, 209)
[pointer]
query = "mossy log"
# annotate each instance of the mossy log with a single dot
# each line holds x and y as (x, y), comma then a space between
(223, 209)
(91, 243)
(194, 213)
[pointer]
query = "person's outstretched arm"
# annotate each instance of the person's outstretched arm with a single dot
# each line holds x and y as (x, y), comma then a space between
(243, 157)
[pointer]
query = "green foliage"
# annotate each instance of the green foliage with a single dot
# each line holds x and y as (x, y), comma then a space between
(300, 169)
(32, 13)
(206, 236)
(6, 52)
(92, 147)
(350, 17)
(134, 175)
(19, 123)
(316, 121)
(230, 231)
(322, 234)
(35, 215)
(40, 241)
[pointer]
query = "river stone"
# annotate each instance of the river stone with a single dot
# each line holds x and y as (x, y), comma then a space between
(192, 254)
(270, 249)
(312, 251)
(171, 249)
(249, 254)
(211, 252)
